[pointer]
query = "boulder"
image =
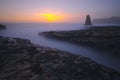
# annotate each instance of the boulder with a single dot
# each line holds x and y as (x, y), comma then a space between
(2, 26)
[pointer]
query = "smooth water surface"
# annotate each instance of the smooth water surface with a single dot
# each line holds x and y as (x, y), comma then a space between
(30, 31)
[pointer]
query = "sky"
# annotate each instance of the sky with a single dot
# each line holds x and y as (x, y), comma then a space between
(56, 10)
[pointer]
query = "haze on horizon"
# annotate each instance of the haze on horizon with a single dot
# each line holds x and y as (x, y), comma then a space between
(56, 10)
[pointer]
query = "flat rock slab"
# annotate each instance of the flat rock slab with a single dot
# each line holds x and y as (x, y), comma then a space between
(103, 38)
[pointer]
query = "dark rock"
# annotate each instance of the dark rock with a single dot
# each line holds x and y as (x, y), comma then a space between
(36, 68)
(2, 26)
(47, 63)
(102, 38)
(88, 21)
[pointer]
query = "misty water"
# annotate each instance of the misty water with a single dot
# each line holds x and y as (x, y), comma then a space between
(30, 31)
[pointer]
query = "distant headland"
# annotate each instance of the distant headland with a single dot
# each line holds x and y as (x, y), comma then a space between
(111, 20)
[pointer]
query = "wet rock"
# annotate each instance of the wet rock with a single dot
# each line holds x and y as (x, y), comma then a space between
(101, 38)
(2, 26)
(36, 68)
(27, 61)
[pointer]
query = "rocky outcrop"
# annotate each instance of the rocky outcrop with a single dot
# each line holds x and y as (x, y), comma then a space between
(88, 21)
(22, 60)
(103, 38)
(2, 26)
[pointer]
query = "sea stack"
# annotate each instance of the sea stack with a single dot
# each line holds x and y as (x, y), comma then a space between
(88, 21)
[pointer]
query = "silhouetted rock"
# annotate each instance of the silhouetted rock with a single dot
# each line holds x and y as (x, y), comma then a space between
(111, 20)
(2, 26)
(88, 21)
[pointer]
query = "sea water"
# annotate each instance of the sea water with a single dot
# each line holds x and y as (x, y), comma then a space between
(30, 31)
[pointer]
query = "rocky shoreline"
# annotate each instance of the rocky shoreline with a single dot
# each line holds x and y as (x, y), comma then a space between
(2, 26)
(104, 38)
(22, 60)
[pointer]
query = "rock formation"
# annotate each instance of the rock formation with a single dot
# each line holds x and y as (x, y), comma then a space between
(22, 60)
(88, 21)
(100, 37)
(2, 26)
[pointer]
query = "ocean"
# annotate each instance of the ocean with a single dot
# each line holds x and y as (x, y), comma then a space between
(30, 31)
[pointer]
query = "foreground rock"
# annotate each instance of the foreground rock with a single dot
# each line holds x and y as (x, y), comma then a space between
(2, 26)
(105, 38)
(22, 60)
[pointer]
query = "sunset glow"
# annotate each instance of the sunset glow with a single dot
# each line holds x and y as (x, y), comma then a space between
(51, 17)
(56, 10)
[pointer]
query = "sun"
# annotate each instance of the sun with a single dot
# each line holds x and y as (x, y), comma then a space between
(50, 17)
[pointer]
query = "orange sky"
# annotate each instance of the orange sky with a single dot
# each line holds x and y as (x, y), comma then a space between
(45, 15)
(60, 10)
